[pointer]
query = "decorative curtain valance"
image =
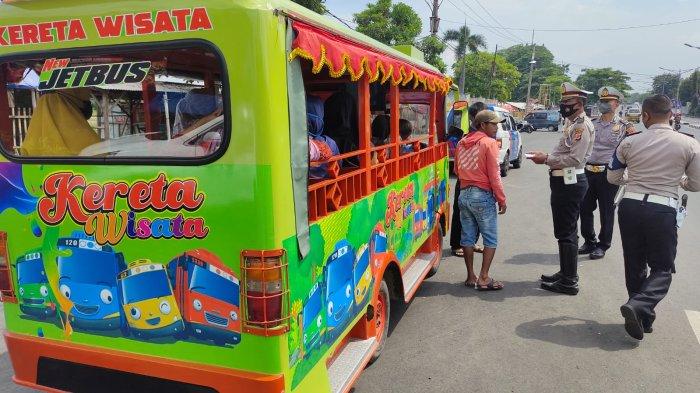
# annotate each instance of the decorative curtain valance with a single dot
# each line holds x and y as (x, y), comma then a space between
(342, 56)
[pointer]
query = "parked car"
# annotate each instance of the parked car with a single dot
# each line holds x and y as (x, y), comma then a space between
(524, 126)
(508, 137)
(633, 114)
(548, 120)
(592, 111)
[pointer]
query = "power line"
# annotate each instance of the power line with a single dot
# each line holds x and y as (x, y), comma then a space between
(497, 22)
(493, 30)
(588, 29)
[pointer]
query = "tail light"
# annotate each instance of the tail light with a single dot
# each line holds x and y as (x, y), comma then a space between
(265, 292)
(7, 293)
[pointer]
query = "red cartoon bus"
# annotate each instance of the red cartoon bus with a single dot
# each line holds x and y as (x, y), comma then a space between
(207, 293)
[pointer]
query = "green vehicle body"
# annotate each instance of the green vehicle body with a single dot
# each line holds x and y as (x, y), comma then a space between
(247, 204)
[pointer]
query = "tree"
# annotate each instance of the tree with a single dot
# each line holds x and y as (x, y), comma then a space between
(593, 79)
(391, 24)
(465, 40)
(432, 48)
(690, 92)
(665, 84)
(313, 5)
(545, 70)
(478, 70)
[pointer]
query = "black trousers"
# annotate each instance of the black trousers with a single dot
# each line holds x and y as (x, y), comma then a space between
(456, 227)
(566, 204)
(649, 238)
(600, 194)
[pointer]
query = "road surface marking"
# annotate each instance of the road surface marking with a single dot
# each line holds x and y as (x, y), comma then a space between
(694, 319)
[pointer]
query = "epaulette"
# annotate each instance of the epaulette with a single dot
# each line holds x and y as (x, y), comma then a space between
(685, 133)
(633, 133)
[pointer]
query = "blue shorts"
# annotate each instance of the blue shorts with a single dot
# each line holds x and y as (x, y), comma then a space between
(478, 214)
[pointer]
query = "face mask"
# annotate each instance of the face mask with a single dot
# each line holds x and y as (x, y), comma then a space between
(567, 110)
(605, 107)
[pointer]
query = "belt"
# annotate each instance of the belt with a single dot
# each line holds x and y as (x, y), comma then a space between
(595, 168)
(661, 200)
(560, 172)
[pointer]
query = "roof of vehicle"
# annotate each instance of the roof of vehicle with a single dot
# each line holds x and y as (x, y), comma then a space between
(19, 12)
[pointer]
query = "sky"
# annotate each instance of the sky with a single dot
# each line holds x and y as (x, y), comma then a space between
(638, 52)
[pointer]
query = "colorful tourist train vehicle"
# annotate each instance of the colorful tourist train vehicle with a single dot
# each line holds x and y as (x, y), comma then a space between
(210, 196)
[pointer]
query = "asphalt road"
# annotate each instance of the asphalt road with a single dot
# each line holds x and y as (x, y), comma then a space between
(522, 339)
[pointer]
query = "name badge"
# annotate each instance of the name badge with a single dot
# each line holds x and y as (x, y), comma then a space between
(570, 176)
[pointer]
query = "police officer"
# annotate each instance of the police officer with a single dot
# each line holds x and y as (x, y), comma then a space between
(609, 131)
(656, 161)
(568, 184)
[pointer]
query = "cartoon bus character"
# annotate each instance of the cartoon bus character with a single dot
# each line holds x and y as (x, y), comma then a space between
(362, 275)
(338, 273)
(313, 318)
(35, 295)
(208, 295)
(88, 279)
(148, 301)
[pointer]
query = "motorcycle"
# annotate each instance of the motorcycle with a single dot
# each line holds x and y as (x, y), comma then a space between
(677, 122)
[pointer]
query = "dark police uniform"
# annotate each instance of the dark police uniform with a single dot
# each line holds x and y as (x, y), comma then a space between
(655, 162)
(601, 194)
(572, 152)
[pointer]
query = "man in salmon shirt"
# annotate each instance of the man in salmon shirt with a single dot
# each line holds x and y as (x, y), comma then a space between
(481, 190)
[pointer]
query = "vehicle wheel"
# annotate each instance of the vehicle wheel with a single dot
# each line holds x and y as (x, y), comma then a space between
(551, 128)
(556, 128)
(530, 130)
(518, 161)
(382, 310)
(434, 268)
(505, 166)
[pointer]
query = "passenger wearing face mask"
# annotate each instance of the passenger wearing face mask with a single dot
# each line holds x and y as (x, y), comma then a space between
(652, 165)
(568, 184)
(609, 131)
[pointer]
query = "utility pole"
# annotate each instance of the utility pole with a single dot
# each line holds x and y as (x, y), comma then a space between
(493, 69)
(529, 83)
(464, 63)
(678, 88)
(434, 18)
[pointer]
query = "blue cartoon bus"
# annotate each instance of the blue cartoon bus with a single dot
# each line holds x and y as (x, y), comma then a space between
(88, 279)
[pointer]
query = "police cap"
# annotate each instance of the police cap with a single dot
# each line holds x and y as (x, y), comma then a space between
(610, 93)
(569, 90)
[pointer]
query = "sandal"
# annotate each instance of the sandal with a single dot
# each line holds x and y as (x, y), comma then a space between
(490, 286)
(458, 252)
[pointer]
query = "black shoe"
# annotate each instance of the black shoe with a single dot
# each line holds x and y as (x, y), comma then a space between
(646, 325)
(633, 325)
(550, 277)
(598, 253)
(586, 248)
(563, 285)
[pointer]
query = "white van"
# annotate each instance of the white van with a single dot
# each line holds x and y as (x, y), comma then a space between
(509, 140)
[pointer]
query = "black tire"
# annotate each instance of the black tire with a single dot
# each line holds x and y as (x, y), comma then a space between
(556, 129)
(383, 291)
(518, 161)
(505, 166)
(434, 269)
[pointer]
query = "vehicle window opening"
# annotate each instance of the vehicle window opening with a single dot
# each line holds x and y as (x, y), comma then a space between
(363, 136)
(122, 102)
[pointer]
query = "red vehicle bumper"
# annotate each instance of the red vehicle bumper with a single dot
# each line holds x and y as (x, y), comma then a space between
(25, 353)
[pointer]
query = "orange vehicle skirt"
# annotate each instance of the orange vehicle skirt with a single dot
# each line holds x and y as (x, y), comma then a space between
(25, 353)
